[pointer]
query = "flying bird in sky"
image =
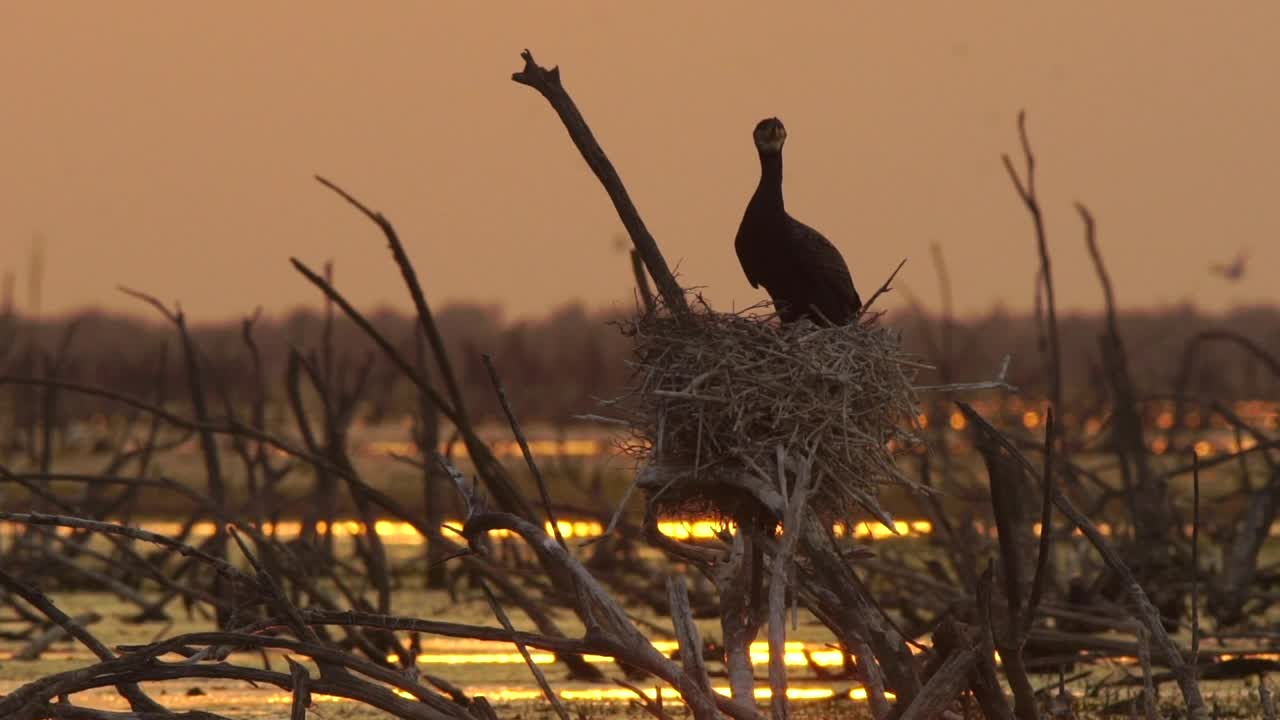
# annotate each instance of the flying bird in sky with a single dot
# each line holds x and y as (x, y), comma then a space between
(799, 268)
(1232, 271)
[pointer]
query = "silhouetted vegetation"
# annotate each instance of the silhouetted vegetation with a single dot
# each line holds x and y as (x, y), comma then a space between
(566, 360)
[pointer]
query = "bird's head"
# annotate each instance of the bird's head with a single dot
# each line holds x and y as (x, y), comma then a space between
(770, 135)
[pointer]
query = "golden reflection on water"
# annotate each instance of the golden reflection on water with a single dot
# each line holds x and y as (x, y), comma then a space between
(402, 533)
(395, 532)
(502, 694)
(498, 653)
(1273, 657)
(508, 448)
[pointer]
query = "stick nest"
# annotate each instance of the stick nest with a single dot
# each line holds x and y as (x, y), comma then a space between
(718, 395)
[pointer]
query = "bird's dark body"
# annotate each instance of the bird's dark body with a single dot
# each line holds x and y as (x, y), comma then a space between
(798, 267)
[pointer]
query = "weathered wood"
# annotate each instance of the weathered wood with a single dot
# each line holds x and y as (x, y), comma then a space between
(547, 82)
(831, 589)
(872, 679)
(301, 690)
(1011, 503)
(1229, 593)
(738, 622)
(42, 641)
(1140, 605)
(605, 620)
(538, 675)
(687, 633)
(1149, 697)
(983, 681)
(943, 687)
(783, 558)
(138, 700)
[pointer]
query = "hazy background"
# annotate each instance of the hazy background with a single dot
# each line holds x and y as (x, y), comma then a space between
(170, 146)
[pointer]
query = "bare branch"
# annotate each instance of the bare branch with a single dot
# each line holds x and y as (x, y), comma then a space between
(1141, 604)
(547, 82)
(524, 447)
(547, 692)
(1026, 187)
(884, 288)
(687, 632)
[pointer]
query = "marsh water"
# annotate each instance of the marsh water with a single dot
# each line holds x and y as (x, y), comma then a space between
(495, 671)
(492, 670)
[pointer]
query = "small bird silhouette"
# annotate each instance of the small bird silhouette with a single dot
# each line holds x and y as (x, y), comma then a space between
(1232, 271)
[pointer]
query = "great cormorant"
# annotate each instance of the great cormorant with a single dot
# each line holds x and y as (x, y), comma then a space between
(800, 269)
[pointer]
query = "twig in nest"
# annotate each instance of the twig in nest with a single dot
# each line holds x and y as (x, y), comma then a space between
(886, 287)
(997, 383)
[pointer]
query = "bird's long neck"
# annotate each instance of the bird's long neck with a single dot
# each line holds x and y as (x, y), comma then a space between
(769, 191)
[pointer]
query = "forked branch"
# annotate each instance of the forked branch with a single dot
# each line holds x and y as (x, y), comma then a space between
(547, 82)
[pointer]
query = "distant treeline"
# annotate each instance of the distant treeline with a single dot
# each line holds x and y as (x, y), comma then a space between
(556, 365)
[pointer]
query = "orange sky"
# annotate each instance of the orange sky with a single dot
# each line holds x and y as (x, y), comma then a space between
(170, 146)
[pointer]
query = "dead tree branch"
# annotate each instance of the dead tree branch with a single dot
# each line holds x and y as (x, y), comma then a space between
(547, 82)
(1025, 184)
